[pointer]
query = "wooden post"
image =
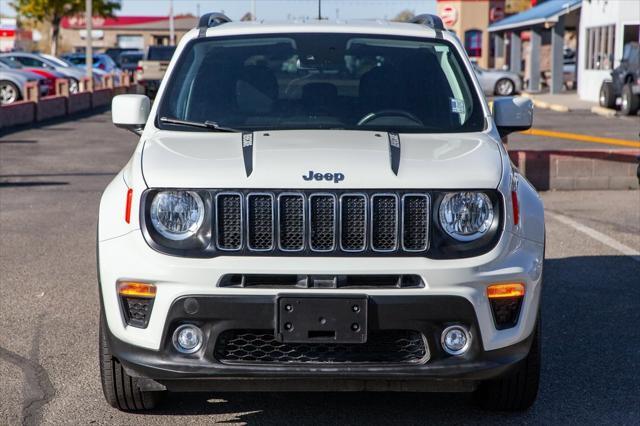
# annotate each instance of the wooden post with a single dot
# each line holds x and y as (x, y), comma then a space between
(31, 92)
(62, 87)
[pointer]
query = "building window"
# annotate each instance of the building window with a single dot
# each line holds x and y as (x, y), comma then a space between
(600, 47)
(473, 43)
(130, 41)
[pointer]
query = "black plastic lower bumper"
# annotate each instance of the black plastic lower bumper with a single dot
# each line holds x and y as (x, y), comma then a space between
(216, 314)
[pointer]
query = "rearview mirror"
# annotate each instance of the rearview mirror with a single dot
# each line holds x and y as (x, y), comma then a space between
(512, 114)
(130, 112)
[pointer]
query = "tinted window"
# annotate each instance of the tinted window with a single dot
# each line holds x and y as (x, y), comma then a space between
(323, 81)
(161, 53)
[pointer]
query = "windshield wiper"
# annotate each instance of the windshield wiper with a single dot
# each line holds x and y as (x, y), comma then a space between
(210, 125)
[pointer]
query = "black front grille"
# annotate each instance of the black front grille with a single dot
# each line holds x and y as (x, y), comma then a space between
(322, 223)
(261, 347)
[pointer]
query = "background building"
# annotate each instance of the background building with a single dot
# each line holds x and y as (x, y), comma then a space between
(123, 31)
(606, 27)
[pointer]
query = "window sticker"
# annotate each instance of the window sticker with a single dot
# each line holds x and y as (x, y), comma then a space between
(457, 106)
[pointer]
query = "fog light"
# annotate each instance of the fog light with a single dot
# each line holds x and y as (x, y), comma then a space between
(455, 340)
(187, 339)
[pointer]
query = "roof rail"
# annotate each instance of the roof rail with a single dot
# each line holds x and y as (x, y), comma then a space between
(212, 19)
(429, 20)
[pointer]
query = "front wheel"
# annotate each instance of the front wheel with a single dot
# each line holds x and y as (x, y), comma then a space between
(630, 101)
(9, 92)
(505, 87)
(120, 389)
(607, 97)
(518, 390)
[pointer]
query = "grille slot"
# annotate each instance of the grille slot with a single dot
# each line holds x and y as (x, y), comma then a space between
(415, 222)
(353, 222)
(384, 222)
(260, 221)
(229, 221)
(322, 215)
(291, 222)
(261, 347)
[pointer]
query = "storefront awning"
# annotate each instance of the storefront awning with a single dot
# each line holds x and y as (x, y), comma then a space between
(548, 11)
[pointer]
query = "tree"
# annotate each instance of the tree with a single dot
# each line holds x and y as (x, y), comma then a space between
(404, 16)
(52, 11)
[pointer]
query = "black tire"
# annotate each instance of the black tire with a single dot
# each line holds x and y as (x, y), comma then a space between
(505, 87)
(630, 102)
(518, 390)
(607, 97)
(121, 390)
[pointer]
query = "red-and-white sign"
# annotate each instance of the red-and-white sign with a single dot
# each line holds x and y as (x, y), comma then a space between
(449, 15)
(496, 13)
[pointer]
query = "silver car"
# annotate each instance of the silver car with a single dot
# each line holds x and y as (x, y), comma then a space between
(49, 62)
(498, 82)
(12, 83)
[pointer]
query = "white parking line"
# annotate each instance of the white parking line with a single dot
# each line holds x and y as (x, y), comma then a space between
(597, 235)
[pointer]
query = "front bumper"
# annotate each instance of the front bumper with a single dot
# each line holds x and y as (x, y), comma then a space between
(128, 257)
(216, 314)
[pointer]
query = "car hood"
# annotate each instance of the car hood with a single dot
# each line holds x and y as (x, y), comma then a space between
(282, 158)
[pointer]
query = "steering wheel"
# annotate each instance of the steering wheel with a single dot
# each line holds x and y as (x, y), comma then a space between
(388, 113)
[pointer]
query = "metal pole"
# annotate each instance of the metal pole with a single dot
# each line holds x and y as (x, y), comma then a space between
(253, 10)
(172, 30)
(89, 50)
(319, 10)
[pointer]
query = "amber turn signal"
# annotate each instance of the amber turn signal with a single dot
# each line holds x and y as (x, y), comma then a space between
(499, 291)
(133, 289)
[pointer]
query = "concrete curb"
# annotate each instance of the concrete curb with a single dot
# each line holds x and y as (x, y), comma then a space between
(604, 112)
(579, 169)
(546, 105)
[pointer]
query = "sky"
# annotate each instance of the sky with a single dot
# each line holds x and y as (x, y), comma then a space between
(271, 9)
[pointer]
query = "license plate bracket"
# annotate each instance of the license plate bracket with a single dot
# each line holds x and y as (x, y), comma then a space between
(323, 319)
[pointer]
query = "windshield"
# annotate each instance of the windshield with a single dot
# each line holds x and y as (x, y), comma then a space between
(323, 81)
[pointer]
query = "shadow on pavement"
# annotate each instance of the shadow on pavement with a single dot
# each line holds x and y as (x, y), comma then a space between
(591, 345)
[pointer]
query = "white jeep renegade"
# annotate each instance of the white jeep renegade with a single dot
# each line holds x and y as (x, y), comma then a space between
(320, 206)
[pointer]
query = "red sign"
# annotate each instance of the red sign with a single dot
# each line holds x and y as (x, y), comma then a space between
(496, 13)
(7, 33)
(449, 15)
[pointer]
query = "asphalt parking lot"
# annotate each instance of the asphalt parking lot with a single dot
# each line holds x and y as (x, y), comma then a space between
(51, 179)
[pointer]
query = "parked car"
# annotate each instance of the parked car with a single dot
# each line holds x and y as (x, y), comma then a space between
(48, 77)
(128, 61)
(498, 82)
(101, 61)
(102, 65)
(624, 83)
(13, 80)
(115, 52)
(354, 223)
(152, 67)
(48, 62)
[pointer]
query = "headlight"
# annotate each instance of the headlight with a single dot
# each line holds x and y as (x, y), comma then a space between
(466, 216)
(177, 215)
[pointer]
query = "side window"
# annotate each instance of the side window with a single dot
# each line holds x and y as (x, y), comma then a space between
(473, 43)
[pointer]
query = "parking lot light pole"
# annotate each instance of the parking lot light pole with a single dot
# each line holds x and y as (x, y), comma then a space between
(89, 49)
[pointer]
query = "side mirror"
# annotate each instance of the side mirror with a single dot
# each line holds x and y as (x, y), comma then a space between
(130, 112)
(512, 114)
